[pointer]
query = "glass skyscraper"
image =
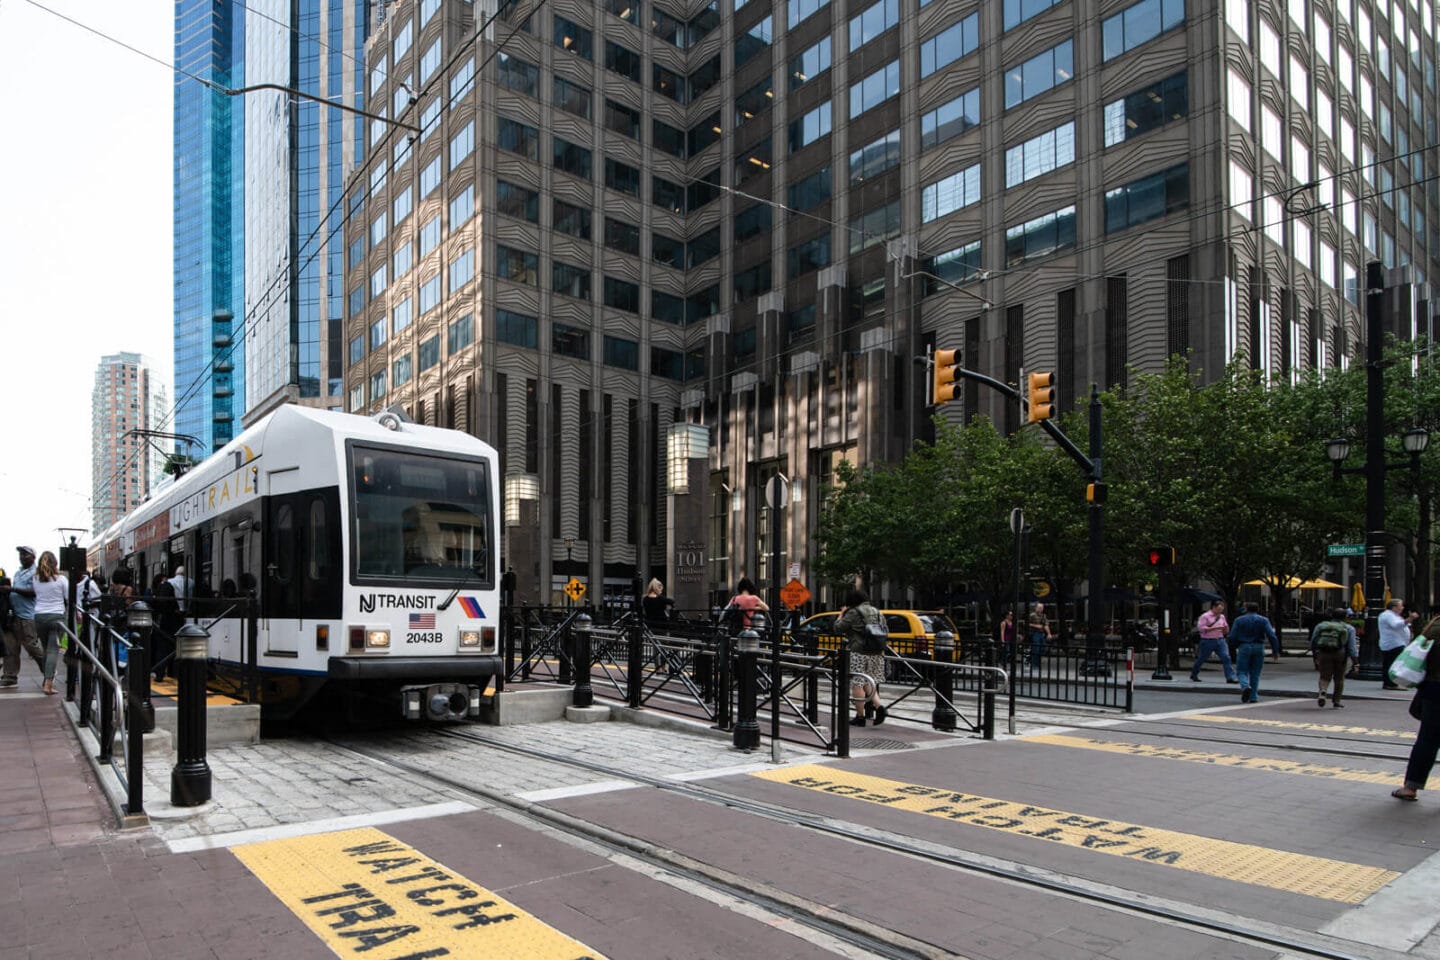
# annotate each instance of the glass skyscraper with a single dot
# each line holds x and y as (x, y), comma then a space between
(209, 225)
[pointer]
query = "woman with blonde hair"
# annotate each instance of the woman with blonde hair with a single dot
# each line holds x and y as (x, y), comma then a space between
(51, 590)
(655, 606)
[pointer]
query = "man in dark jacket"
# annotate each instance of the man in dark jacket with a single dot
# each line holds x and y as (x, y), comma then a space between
(1250, 631)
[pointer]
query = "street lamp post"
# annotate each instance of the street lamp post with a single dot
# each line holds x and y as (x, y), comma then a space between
(1415, 440)
(569, 572)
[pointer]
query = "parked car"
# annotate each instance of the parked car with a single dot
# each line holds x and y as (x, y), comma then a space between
(911, 632)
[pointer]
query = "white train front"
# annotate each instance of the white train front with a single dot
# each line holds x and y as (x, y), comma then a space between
(335, 553)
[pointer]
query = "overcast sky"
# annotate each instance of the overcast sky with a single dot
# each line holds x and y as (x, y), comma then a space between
(85, 246)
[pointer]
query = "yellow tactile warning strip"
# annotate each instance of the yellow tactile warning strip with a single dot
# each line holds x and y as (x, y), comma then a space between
(368, 895)
(1216, 759)
(1293, 725)
(168, 688)
(1277, 869)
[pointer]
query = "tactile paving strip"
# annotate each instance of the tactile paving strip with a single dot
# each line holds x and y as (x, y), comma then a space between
(1269, 764)
(1278, 869)
(368, 895)
(1316, 727)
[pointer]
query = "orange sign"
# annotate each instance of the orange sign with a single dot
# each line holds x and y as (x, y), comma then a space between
(794, 594)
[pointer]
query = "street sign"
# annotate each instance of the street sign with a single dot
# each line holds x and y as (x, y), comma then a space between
(794, 570)
(1345, 550)
(574, 589)
(1042, 588)
(794, 594)
(777, 490)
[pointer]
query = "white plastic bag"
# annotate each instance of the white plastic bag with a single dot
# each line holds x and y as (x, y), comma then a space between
(1409, 668)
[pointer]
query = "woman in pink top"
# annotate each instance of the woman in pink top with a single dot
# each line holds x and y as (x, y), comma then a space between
(746, 602)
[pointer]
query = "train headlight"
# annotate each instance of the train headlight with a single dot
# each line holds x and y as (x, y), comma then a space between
(469, 638)
(377, 639)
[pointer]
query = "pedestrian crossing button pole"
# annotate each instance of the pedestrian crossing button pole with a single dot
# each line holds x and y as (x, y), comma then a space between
(190, 779)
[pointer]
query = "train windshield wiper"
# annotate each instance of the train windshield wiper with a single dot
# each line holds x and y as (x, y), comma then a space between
(472, 574)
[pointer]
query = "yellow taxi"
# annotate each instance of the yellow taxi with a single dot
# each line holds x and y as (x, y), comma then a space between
(911, 631)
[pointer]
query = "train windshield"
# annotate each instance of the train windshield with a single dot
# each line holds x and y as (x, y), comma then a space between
(422, 517)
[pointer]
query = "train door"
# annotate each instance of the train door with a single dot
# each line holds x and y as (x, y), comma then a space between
(280, 596)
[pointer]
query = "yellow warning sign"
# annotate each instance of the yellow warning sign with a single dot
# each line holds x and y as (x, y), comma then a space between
(1316, 727)
(368, 895)
(1217, 759)
(574, 589)
(1242, 862)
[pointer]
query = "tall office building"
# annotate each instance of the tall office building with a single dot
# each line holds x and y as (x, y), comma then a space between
(256, 280)
(209, 225)
(124, 468)
(660, 255)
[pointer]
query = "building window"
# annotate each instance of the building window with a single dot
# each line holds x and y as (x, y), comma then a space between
(799, 10)
(873, 21)
(811, 127)
(430, 60)
(1040, 237)
(429, 352)
(622, 295)
(667, 138)
(752, 282)
(622, 177)
(753, 101)
(462, 206)
(567, 341)
(622, 236)
(622, 119)
(400, 316)
(430, 176)
(1040, 155)
(357, 349)
(379, 280)
(958, 266)
(669, 364)
(462, 270)
(430, 294)
(703, 134)
(516, 201)
(572, 158)
(667, 251)
(516, 74)
(667, 195)
(1038, 74)
(357, 299)
(875, 89)
(400, 371)
(430, 235)
(1141, 23)
(569, 35)
(810, 63)
(570, 280)
(518, 265)
(702, 190)
(950, 119)
(947, 46)
(1148, 109)
(874, 226)
(754, 41)
(379, 227)
(460, 334)
(754, 161)
(1018, 11)
(518, 138)
(667, 308)
(400, 209)
(568, 218)
(875, 158)
(377, 385)
(516, 328)
(627, 10)
(811, 191)
(668, 83)
(1148, 198)
(753, 221)
(572, 97)
(621, 353)
(949, 194)
(703, 248)
(807, 256)
(623, 61)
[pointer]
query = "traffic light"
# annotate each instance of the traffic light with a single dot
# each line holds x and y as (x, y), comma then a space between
(1161, 558)
(947, 365)
(1042, 396)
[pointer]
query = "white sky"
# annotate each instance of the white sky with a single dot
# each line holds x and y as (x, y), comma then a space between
(85, 241)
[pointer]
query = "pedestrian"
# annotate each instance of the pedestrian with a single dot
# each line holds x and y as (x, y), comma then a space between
(1394, 636)
(1333, 644)
(22, 628)
(167, 620)
(1007, 637)
(655, 606)
(184, 589)
(745, 603)
(866, 669)
(1038, 628)
(1427, 740)
(1212, 627)
(1250, 631)
(52, 588)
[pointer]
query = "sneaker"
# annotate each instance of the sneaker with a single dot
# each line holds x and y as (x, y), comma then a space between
(857, 721)
(1338, 705)
(1244, 694)
(1194, 679)
(1321, 700)
(1232, 680)
(8, 681)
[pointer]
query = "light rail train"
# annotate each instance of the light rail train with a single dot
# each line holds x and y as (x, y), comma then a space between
(365, 549)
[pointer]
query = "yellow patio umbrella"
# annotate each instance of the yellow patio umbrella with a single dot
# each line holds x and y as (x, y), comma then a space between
(1357, 596)
(1320, 585)
(1290, 583)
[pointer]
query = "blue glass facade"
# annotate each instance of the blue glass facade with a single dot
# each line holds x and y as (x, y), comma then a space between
(209, 223)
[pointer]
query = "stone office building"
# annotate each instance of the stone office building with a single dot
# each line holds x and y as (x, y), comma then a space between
(659, 254)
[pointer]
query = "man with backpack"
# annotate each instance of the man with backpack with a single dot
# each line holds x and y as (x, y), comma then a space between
(1333, 644)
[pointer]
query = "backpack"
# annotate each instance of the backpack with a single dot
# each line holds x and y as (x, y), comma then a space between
(872, 641)
(1331, 635)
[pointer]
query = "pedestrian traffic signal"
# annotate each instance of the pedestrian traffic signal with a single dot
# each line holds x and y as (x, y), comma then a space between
(947, 367)
(1042, 396)
(1161, 558)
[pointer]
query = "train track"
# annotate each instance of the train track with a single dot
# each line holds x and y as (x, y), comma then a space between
(843, 928)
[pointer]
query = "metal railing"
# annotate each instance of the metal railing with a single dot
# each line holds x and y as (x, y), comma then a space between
(117, 695)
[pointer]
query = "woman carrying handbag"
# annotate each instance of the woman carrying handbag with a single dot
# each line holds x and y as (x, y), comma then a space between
(1427, 741)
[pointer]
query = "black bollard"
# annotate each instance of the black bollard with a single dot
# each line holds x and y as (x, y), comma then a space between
(943, 716)
(140, 621)
(87, 669)
(106, 693)
(747, 730)
(582, 625)
(135, 729)
(190, 778)
(987, 697)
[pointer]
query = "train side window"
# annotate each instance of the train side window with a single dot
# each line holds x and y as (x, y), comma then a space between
(318, 541)
(284, 543)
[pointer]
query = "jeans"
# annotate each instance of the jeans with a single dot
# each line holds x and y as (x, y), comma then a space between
(1249, 658)
(1427, 741)
(1037, 647)
(21, 635)
(49, 627)
(1218, 647)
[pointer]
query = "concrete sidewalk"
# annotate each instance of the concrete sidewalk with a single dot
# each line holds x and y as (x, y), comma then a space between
(1294, 675)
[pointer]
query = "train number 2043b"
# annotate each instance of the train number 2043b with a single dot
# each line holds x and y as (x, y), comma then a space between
(432, 636)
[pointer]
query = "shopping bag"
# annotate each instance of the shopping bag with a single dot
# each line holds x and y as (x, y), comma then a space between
(1409, 668)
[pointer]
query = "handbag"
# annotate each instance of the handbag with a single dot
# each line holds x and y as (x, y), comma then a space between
(1409, 667)
(875, 637)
